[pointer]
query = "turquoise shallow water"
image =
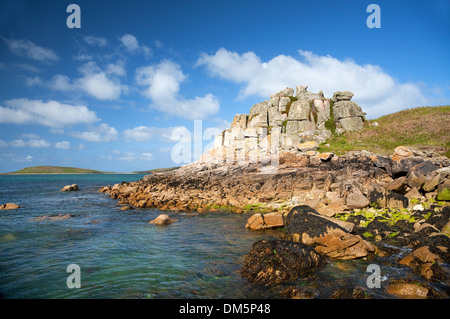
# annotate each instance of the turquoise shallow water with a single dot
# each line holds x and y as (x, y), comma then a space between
(120, 255)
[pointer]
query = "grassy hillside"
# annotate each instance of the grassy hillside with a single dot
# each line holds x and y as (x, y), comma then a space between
(422, 127)
(55, 170)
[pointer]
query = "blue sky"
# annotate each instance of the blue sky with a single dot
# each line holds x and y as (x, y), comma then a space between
(108, 95)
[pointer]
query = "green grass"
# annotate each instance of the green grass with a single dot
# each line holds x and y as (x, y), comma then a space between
(56, 170)
(421, 127)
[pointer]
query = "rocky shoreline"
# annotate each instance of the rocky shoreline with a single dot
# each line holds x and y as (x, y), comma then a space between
(326, 207)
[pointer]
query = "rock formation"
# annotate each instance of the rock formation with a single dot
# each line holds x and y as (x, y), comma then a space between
(284, 123)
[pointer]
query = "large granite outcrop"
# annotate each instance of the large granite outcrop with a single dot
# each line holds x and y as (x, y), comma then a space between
(284, 122)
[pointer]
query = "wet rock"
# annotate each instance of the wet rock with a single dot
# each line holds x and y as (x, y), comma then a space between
(408, 290)
(9, 206)
(163, 220)
(279, 261)
(69, 188)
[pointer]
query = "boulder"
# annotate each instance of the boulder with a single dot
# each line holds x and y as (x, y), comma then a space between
(308, 146)
(402, 151)
(9, 206)
(407, 290)
(342, 96)
(69, 188)
(346, 109)
(432, 182)
(305, 225)
(162, 220)
(299, 110)
(352, 123)
(265, 221)
(443, 192)
(355, 199)
(277, 261)
(398, 185)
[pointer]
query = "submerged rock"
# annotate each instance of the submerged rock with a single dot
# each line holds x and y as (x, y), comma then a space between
(279, 261)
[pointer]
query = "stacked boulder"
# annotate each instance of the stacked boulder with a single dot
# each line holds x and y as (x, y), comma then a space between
(284, 123)
(348, 114)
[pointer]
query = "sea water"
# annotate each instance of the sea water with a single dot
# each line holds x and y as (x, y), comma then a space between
(120, 255)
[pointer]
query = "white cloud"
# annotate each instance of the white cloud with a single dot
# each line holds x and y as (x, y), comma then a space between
(95, 41)
(101, 133)
(35, 143)
(116, 69)
(162, 82)
(94, 81)
(61, 83)
(3, 143)
(145, 133)
(132, 45)
(64, 145)
(47, 113)
(26, 48)
(376, 91)
(129, 156)
(100, 86)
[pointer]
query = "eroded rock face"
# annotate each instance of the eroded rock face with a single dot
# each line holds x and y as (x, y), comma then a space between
(279, 261)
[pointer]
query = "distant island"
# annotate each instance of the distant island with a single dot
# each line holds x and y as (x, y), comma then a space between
(76, 170)
(55, 170)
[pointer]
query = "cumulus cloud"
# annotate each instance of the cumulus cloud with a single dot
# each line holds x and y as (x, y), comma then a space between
(132, 45)
(162, 86)
(97, 83)
(94, 81)
(101, 133)
(26, 48)
(47, 113)
(375, 90)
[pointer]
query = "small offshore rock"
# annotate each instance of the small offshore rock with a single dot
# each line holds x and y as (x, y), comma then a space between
(162, 220)
(69, 188)
(10, 206)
